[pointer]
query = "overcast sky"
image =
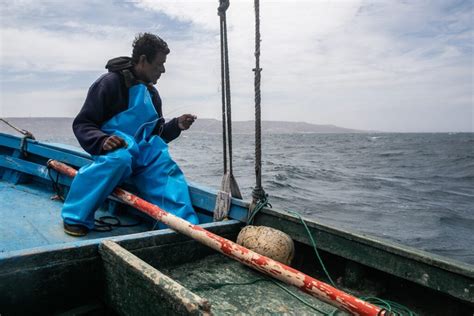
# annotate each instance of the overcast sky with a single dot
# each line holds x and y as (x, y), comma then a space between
(374, 65)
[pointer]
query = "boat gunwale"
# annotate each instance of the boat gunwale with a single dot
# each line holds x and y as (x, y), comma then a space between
(372, 241)
(28, 257)
(379, 243)
(405, 254)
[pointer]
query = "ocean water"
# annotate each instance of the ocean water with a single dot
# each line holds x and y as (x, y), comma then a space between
(414, 189)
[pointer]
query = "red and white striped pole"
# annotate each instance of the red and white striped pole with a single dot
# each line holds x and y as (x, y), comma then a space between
(246, 256)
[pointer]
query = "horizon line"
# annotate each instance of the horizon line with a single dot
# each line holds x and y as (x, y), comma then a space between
(359, 131)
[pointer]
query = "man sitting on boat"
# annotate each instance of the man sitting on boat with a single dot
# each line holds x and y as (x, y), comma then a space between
(121, 125)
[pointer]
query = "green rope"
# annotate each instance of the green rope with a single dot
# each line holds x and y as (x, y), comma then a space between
(386, 305)
(391, 306)
(214, 286)
(313, 243)
(284, 288)
(264, 203)
(258, 207)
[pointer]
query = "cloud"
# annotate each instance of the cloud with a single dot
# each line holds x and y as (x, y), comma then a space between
(34, 103)
(358, 64)
(40, 50)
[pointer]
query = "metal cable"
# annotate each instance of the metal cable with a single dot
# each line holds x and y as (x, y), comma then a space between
(229, 187)
(225, 85)
(223, 92)
(227, 90)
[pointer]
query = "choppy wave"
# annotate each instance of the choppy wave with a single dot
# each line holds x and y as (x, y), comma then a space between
(416, 189)
(410, 188)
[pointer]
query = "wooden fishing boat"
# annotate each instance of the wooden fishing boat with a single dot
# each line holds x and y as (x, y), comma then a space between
(136, 270)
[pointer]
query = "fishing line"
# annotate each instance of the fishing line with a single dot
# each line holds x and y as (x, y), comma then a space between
(162, 202)
(216, 286)
(393, 307)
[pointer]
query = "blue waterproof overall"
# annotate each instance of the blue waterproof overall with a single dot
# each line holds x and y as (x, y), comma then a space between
(145, 161)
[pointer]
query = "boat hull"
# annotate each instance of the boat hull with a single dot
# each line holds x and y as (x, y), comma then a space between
(42, 269)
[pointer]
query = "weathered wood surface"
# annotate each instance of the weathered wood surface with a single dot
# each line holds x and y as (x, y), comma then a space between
(133, 287)
(248, 257)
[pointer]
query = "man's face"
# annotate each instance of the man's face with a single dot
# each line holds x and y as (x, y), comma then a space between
(151, 72)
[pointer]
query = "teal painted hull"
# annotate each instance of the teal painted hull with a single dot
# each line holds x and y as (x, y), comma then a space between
(41, 267)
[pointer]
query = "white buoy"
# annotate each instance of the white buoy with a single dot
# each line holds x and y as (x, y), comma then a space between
(268, 242)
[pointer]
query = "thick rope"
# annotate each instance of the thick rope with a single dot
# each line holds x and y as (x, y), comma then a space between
(259, 197)
(257, 71)
(26, 134)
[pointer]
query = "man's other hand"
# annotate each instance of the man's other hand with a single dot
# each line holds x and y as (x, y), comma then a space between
(185, 121)
(113, 142)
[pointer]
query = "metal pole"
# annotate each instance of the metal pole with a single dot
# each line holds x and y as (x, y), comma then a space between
(248, 257)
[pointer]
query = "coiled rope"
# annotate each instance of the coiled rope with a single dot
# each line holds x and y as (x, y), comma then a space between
(104, 223)
(261, 203)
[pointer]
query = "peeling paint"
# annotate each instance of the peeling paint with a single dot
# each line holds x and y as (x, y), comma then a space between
(425, 278)
(250, 258)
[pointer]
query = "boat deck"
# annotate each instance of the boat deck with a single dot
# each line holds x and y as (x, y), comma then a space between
(30, 218)
(234, 289)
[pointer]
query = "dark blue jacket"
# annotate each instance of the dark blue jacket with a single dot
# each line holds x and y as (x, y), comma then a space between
(107, 97)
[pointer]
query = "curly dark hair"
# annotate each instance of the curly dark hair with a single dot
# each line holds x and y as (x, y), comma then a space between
(149, 45)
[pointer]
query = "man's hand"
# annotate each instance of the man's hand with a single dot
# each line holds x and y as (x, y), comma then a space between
(113, 142)
(185, 121)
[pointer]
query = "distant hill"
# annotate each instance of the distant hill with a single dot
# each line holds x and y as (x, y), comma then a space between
(211, 126)
(270, 127)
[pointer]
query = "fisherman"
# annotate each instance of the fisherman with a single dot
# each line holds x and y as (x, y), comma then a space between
(122, 126)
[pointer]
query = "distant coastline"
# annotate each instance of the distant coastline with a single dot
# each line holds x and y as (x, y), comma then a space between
(212, 126)
(271, 127)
